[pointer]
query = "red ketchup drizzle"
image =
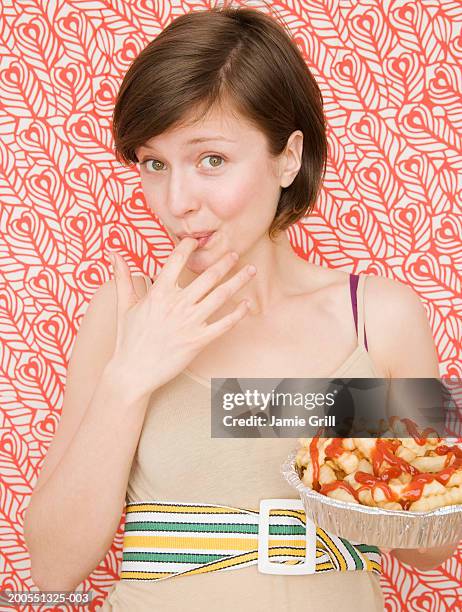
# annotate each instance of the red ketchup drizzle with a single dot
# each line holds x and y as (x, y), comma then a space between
(453, 452)
(339, 484)
(314, 454)
(335, 448)
(369, 481)
(420, 438)
(384, 452)
(414, 489)
(443, 449)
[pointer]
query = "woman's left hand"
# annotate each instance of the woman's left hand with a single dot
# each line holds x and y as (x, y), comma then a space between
(423, 559)
(420, 550)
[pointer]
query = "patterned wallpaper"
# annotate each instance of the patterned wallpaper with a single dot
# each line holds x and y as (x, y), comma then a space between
(390, 73)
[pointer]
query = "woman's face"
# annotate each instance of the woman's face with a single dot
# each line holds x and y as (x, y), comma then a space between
(216, 175)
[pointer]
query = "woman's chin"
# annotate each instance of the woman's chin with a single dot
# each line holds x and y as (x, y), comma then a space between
(198, 262)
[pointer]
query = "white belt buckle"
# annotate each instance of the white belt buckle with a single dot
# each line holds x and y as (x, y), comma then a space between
(265, 566)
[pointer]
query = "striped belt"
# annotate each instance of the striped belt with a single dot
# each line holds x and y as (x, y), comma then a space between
(167, 539)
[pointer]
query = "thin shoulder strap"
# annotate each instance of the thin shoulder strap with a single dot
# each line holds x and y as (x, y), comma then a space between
(357, 282)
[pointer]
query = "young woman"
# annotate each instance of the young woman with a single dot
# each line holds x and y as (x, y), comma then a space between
(227, 126)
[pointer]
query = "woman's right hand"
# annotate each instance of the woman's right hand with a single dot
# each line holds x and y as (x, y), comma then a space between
(159, 334)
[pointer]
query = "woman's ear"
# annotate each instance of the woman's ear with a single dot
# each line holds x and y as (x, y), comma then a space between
(291, 159)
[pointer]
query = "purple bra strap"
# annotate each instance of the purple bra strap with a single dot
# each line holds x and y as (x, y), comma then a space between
(354, 278)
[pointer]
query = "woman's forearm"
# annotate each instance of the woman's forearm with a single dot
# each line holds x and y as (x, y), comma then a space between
(72, 519)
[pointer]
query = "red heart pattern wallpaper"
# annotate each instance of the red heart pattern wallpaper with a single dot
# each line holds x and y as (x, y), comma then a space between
(390, 73)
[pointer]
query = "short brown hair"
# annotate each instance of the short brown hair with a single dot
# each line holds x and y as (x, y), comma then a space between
(240, 55)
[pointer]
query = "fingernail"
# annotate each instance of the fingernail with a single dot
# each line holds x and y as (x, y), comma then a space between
(112, 258)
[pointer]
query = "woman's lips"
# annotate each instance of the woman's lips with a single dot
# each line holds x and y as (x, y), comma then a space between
(204, 239)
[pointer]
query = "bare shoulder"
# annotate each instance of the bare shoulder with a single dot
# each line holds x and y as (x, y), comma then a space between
(398, 328)
(388, 299)
(391, 286)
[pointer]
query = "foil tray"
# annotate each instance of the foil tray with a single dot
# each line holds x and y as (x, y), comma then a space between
(376, 526)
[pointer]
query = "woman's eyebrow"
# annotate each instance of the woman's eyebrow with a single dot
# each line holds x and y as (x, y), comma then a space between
(194, 141)
(208, 139)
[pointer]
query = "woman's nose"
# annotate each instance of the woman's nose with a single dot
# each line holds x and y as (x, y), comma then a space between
(180, 198)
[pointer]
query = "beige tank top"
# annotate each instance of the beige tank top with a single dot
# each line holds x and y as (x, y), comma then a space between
(177, 460)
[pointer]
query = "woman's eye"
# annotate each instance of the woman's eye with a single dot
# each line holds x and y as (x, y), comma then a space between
(154, 165)
(214, 158)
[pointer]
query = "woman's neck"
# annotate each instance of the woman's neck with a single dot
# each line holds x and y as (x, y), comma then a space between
(278, 269)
